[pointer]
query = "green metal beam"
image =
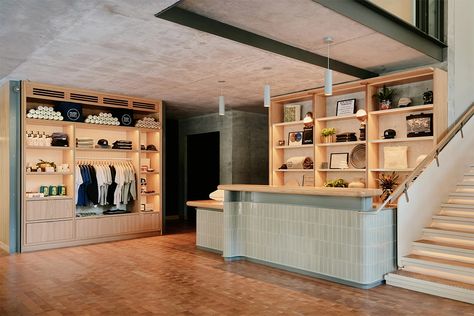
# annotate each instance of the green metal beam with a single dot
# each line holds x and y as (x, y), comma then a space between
(208, 25)
(370, 15)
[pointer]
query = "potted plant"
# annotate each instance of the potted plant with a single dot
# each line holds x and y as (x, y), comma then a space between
(336, 183)
(328, 134)
(387, 183)
(384, 96)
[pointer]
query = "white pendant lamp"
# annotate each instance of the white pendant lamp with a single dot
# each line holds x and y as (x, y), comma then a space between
(221, 105)
(328, 73)
(266, 96)
(221, 99)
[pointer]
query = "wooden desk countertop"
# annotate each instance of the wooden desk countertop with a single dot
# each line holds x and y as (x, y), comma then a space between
(350, 192)
(212, 204)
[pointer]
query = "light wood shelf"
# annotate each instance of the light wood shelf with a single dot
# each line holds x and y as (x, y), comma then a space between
(149, 151)
(295, 147)
(402, 140)
(81, 125)
(288, 123)
(341, 143)
(149, 172)
(336, 118)
(415, 108)
(29, 121)
(342, 170)
(294, 170)
(108, 150)
(48, 173)
(149, 194)
(49, 147)
(390, 170)
(49, 198)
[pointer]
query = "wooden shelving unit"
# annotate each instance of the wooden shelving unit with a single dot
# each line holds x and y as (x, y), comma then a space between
(51, 221)
(409, 83)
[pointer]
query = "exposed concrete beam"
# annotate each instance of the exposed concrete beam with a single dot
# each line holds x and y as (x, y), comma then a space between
(372, 16)
(208, 25)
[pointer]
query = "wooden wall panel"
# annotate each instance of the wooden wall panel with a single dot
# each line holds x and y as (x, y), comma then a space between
(4, 167)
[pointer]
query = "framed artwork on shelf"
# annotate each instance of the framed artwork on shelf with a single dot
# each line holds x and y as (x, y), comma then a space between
(419, 125)
(339, 161)
(395, 157)
(292, 112)
(295, 138)
(307, 135)
(345, 107)
(308, 180)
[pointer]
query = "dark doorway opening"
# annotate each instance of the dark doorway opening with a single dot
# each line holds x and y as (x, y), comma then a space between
(202, 168)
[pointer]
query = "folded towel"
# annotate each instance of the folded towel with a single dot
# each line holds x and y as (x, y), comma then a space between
(299, 162)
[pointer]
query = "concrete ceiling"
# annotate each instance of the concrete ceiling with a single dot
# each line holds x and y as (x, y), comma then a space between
(121, 47)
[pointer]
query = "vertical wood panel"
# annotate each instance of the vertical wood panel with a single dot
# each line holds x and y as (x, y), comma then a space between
(4, 167)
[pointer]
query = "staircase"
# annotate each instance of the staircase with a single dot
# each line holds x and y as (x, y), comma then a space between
(442, 260)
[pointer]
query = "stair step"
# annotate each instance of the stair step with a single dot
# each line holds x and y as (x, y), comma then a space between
(455, 233)
(455, 290)
(439, 264)
(462, 195)
(445, 247)
(463, 206)
(453, 219)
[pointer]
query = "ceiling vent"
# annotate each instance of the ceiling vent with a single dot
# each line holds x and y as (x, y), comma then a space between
(84, 97)
(116, 102)
(143, 105)
(48, 93)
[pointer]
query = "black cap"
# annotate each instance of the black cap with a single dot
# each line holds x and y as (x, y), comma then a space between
(103, 143)
(151, 147)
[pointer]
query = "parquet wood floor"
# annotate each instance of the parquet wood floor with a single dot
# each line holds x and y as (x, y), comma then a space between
(166, 275)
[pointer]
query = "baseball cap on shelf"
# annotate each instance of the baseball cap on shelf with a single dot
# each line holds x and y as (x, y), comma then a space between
(404, 102)
(151, 147)
(104, 143)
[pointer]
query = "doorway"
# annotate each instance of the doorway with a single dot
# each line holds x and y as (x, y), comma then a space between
(202, 168)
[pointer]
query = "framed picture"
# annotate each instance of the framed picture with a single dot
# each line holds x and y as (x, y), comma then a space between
(346, 107)
(339, 161)
(395, 157)
(307, 135)
(292, 112)
(420, 125)
(295, 138)
(308, 180)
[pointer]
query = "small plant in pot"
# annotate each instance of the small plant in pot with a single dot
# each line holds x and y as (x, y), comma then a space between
(328, 134)
(384, 97)
(336, 183)
(387, 183)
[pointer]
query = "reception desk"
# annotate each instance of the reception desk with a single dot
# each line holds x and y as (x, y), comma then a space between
(329, 233)
(209, 224)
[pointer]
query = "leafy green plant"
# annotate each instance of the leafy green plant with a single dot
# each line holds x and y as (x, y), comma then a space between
(385, 94)
(328, 131)
(336, 183)
(387, 183)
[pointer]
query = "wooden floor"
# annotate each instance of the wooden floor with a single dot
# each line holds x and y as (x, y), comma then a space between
(167, 276)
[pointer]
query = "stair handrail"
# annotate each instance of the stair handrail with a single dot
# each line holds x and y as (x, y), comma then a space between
(455, 128)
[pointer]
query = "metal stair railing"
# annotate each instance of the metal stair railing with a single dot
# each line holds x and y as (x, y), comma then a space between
(433, 155)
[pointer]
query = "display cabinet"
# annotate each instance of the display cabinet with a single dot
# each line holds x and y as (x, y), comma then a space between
(58, 220)
(368, 155)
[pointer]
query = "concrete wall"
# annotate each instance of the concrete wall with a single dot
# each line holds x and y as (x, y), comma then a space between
(460, 57)
(243, 148)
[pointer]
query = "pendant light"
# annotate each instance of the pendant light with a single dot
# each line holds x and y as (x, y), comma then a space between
(266, 91)
(221, 99)
(266, 96)
(328, 73)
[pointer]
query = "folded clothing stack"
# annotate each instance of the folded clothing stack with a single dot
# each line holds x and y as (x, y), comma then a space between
(59, 139)
(346, 137)
(83, 142)
(122, 144)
